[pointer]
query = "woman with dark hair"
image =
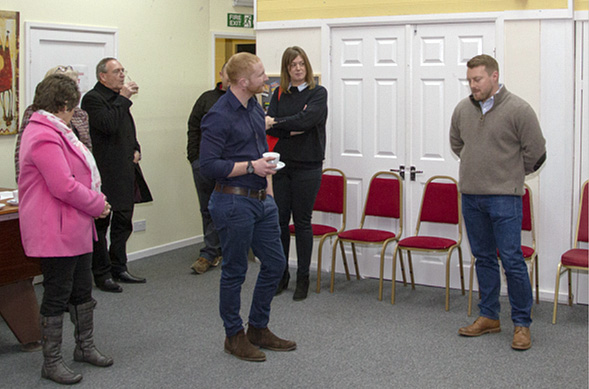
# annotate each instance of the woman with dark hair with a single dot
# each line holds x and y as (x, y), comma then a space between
(59, 194)
(297, 116)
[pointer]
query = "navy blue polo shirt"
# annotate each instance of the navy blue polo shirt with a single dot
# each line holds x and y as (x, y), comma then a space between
(233, 133)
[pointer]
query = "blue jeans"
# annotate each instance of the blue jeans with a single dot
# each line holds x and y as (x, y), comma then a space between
(243, 222)
(494, 223)
(204, 188)
(295, 191)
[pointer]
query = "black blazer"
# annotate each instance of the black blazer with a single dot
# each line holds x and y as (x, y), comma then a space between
(114, 142)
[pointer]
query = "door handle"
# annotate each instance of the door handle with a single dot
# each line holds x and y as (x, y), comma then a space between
(400, 170)
(413, 172)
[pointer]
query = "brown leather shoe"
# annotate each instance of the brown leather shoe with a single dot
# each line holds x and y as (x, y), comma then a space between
(201, 265)
(482, 325)
(240, 346)
(264, 338)
(521, 338)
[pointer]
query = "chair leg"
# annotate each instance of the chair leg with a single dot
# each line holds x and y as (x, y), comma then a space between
(556, 290)
(341, 244)
(333, 254)
(448, 280)
(411, 269)
(319, 253)
(402, 267)
(537, 271)
(394, 276)
(461, 269)
(570, 287)
(381, 273)
(355, 262)
(470, 284)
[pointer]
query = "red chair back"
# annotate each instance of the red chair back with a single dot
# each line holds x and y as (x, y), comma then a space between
(384, 198)
(440, 203)
(582, 227)
(330, 197)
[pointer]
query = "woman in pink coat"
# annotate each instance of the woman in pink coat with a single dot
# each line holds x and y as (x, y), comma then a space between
(59, 192)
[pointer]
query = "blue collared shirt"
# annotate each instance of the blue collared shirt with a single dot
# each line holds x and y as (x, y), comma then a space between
(233, 133)
(488, 104)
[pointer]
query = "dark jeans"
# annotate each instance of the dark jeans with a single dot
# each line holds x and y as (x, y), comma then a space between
(295, 191)
(243, 222)
(66, 280)
(204, 189)
(494, 223)
(107, 262)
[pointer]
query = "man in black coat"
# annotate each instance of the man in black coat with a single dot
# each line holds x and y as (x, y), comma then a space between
(117, 155)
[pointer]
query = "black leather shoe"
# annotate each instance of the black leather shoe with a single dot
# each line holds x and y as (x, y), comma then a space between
(129, 278)
(109, 285)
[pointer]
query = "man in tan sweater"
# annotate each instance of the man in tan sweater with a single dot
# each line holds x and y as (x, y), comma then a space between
(499, 141)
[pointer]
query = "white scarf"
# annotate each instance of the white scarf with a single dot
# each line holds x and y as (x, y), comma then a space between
(73, 139)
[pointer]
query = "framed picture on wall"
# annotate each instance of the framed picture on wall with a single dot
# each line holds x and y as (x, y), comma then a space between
(9, 37)
(272, 84)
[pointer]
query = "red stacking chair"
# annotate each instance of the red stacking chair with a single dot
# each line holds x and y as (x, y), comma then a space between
(530, 253)
(331, 199)
(384, 200)
(441, 203)
(575, 258)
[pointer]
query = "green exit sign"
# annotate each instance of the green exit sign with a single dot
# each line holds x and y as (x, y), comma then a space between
(240, 20)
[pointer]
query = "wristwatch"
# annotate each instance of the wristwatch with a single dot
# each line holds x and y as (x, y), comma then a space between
(250, 167)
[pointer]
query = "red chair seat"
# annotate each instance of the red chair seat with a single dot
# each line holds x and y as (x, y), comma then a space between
(427, 242)
(575, 257)
(318, 229)
(366, 235)
(526, 250)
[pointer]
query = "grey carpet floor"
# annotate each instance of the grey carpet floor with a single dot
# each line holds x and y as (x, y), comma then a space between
(167, 333)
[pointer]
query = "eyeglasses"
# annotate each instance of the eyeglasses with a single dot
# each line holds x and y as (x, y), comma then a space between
(119, 71)
(64, 69)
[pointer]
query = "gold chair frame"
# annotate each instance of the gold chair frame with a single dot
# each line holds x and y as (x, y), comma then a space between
(568, 269)
(384, 243)
(449, 250)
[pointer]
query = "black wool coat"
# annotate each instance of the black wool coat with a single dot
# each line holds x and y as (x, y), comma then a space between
(114, 142)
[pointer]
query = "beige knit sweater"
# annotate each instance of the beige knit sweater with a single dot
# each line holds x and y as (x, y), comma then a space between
(497, 150)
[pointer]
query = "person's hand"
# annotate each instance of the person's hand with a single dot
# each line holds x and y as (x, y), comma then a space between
(136, 157)
(105, 211)
(270, 121)
(263, 168)
(129, 89)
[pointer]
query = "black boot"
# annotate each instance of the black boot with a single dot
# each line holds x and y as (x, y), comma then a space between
(302, 289)
(54, 367)
(83, 318)
(283, 284)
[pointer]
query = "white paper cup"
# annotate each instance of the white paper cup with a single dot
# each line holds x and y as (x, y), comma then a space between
(15, 195)
(274, 155)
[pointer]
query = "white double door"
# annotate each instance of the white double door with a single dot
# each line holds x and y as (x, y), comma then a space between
(393, 90)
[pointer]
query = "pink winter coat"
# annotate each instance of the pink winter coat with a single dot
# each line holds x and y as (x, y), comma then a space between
(56, 205)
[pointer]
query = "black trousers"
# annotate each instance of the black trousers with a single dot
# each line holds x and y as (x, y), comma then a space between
(295, 191)
(109, 261)
(66, 280)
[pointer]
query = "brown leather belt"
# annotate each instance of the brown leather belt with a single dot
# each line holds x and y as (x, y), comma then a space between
(237, 190)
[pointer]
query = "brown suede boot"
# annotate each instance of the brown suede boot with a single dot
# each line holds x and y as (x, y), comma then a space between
(521, 338)
(482, 325)
(264, 338)
(240, 346)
